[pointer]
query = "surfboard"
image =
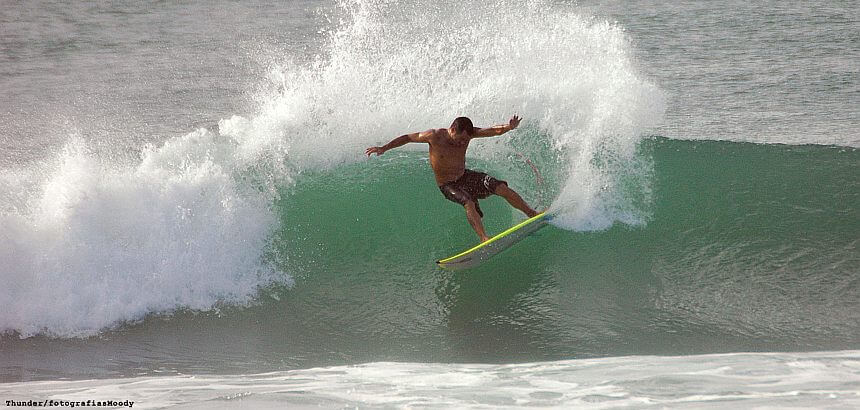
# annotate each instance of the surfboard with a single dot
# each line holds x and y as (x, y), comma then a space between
(495, 245)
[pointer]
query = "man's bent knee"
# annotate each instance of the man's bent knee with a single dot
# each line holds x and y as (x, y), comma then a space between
(503, 190)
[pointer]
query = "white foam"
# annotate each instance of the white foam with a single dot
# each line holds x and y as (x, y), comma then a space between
(98, 244)
(745, 380)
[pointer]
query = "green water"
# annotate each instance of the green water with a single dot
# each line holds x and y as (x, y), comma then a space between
(748, 247)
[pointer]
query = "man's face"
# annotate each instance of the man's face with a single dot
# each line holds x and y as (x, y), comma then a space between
(457, 136)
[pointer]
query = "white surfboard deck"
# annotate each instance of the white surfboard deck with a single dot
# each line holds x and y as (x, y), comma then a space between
(495, 245)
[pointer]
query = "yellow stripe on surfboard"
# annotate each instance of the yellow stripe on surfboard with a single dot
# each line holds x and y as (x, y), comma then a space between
(495, 238)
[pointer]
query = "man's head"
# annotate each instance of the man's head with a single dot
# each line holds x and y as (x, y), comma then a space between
(462, 128)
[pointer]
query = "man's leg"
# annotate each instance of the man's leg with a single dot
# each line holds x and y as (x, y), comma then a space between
(514, 199)
(475, 220)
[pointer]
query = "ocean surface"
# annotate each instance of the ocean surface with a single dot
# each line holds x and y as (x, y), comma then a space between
(187, 217)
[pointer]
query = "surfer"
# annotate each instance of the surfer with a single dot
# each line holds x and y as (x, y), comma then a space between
(448, 160)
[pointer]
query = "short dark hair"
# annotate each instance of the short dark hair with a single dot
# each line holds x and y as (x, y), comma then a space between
(463, 124)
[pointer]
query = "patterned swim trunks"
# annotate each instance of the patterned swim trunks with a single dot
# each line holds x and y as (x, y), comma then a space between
(471, 186)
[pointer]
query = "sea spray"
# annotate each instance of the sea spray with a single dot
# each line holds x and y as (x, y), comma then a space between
(390, 69)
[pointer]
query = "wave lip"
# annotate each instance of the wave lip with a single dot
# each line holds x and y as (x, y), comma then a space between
(99, 244)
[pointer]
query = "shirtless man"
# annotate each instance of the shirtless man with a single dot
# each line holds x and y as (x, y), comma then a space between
(448, 160)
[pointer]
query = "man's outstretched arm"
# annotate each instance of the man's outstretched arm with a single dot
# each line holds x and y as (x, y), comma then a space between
(498, 129)
(400, 141)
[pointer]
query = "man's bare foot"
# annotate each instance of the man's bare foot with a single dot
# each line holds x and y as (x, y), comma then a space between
(534, 213)
(484, 239)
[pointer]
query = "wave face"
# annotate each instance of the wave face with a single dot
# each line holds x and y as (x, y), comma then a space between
(746, 247)
(190, 224)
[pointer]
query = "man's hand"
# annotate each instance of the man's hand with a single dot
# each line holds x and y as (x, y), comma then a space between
(375, 150)
(514, 122)
(498, 129)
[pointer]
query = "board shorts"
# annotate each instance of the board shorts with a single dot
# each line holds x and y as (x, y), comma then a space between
(471, 186)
